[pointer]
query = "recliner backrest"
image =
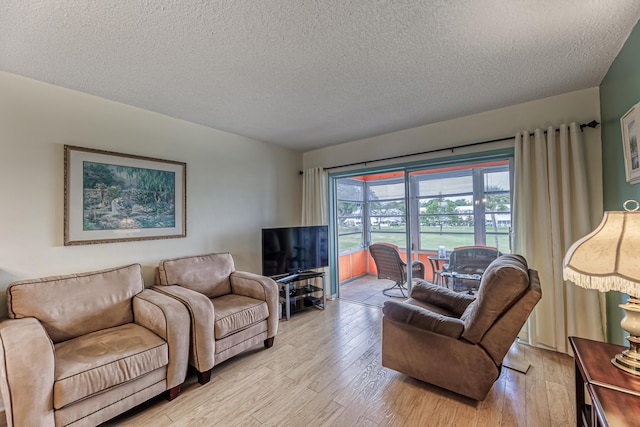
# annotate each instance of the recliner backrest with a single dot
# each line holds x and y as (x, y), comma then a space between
(504, 281)
(498, 339)
(207, 274)
(77, 304)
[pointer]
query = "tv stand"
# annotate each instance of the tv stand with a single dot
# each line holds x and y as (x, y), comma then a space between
(294, 297)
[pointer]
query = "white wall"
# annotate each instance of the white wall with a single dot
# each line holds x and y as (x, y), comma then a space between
(235, 185)
(580, 106)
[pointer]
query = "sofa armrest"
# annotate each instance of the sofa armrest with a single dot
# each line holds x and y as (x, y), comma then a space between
(202, 345)
(439, 296)
(27, 372)
(423, 319)
(262, 288)
(169, 319)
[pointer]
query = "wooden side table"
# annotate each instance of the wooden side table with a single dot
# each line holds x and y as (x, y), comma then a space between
(435, 262)
(615, 394)
(613, 408)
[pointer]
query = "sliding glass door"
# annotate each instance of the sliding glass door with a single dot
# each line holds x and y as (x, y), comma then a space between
(419, 210)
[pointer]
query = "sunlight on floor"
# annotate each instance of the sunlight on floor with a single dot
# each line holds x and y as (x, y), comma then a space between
(368, 290)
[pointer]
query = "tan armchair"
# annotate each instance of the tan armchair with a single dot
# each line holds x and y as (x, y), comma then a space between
(83, 348)
(231, 310)
(457, 341)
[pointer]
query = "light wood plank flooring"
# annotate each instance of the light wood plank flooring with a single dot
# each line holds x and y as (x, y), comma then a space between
(368, 290)
(324, 370)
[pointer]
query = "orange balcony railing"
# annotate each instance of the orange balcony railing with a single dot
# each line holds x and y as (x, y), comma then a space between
(357, 263)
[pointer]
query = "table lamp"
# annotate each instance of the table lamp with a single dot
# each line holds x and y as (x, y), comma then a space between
(608, 259)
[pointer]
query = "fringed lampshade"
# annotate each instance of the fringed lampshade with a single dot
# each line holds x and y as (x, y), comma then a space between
(608, 259)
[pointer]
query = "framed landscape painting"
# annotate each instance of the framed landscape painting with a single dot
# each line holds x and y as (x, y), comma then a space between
(114, 197)
(629, 123)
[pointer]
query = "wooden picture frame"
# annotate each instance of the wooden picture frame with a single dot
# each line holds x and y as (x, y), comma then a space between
(114, 197)
(630, 124)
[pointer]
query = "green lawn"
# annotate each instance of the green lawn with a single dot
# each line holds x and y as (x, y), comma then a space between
(428, 241)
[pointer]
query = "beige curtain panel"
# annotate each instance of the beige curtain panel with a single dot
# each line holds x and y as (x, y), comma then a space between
(551, 211)
(314, 197)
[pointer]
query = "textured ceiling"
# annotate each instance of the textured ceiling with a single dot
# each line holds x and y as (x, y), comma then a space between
(306, 74)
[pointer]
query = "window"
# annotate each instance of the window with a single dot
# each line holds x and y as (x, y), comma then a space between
(386, 208)
(497, 206)
(460, 206)
(464, 207)
(445, 209)
(350, 206)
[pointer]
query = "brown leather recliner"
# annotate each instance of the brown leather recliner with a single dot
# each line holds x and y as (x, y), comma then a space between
(231, 310)
(457, 341)
(82, 348)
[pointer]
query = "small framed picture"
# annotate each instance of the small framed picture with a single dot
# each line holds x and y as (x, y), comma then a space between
(629, 123)
(115, 197)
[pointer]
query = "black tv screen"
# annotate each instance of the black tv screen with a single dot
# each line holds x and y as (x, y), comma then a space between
(289, 250)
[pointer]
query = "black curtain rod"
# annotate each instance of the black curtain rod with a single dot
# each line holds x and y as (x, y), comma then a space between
(591, 124)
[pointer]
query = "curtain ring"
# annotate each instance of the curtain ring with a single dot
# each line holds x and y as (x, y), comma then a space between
(631, 201)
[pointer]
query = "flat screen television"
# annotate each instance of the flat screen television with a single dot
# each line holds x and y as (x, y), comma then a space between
(291, 250)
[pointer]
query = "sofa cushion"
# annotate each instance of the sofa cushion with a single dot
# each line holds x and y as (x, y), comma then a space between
(77, 304)
(207, 274)
(103, 406)
(439, 299)
(236, 312)
(428, 306)
(101, 360)
(424, 319)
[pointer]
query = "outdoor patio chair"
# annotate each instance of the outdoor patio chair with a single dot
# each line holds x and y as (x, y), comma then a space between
(469, 261)
(390, 266)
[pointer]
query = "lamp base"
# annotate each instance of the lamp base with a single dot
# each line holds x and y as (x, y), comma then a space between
(629, 360)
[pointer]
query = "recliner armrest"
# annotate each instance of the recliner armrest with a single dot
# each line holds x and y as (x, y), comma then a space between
(201, 354)
(423, 319)
(27, 372)
(169, 319)
(261, 288)
(453, 302)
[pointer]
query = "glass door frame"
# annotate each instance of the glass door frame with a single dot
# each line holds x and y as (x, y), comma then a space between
(407, 169)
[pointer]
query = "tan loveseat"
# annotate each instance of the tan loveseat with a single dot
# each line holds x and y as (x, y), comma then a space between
(80, 349)
(458, 341)
(231, 310)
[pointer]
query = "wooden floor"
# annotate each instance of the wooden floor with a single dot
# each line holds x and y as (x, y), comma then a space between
(368, 290)
(324, 370)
